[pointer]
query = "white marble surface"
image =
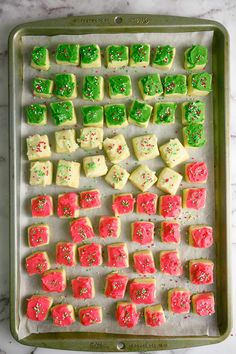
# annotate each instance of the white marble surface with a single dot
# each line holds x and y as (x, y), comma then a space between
(13, 12)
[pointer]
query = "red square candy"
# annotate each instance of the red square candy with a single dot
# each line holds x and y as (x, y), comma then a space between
(90, 315)
(146, 203)
(109, 226)
(144, 262)
(203, 304)
(90, 255)
(68, 205)
(170, 263)
(179, 300)
(196, 172)
(123, 204)
(116, 285)
(127, 315)
(37, 263)
(170, 232)
(42, 206)
(200, 236)
(38, 307)
(38, 235)
(83, 288)
(90, 199)
(194, 198)
(81, 229)
(201, 271)
(117, 255)
(170, 206)
(143, 291)
(154, 315)
(142, 232)
(54, 280)
(63, 315)
(66, 254)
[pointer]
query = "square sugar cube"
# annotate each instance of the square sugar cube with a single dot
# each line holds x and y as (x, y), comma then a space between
(65, 86)
(93, 88)
(169, 180)
(68, 174)
(92, 116)
(119, 86)
(139, 54)
(143, 178)
(40, 173)
(66, 141)
(145, 147)
(67, 54)
(90, 56)
(117, 177)
(94, 166)
(38, 147)
(117, 56)
(40, 58)
(63, 113)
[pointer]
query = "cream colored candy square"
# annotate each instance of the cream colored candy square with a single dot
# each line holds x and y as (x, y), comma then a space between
(40, 173)
(169, 181)
(68, 174)
(145, 147)
(95, 166)
(116, 148)
(143, 178)
(91, 138)
(38, 147)
(117, 177)
(65, 141)
(173, 153)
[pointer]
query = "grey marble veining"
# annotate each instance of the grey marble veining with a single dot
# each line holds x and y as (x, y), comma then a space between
(13, 12)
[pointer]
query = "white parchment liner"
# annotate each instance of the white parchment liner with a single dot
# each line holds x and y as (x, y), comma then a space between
(176, 325)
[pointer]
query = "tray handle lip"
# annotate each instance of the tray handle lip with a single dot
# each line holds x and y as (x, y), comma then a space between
(101, 20)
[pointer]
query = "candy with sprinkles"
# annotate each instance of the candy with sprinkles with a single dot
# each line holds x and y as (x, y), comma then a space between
(63, 315)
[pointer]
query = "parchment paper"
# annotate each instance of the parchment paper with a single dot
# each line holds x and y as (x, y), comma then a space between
(176, 325)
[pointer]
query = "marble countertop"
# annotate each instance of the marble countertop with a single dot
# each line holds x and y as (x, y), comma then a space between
(13, 12)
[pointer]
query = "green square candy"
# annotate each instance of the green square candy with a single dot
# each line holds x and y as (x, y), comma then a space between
(196, 57)
(90, 56)
(163, 57)
(67, 53)
(117, 56)
(93, 88)
(120, 86)
(92, 116)
(194, 135)
(42, 87)
(193, 112)
(140, 113)
(175, 85)
(36, 114)
(65, 86)
(115, 115)
(150, 86)
(139, 54)
(63, 113)
(199, 84)
(164, 112)
(40, 58)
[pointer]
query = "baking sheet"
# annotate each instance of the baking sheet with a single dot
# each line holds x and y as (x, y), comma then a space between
(176, 325)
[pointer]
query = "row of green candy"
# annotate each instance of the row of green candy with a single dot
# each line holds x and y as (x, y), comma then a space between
(65, 85)
(89, 56)
(63, 113)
